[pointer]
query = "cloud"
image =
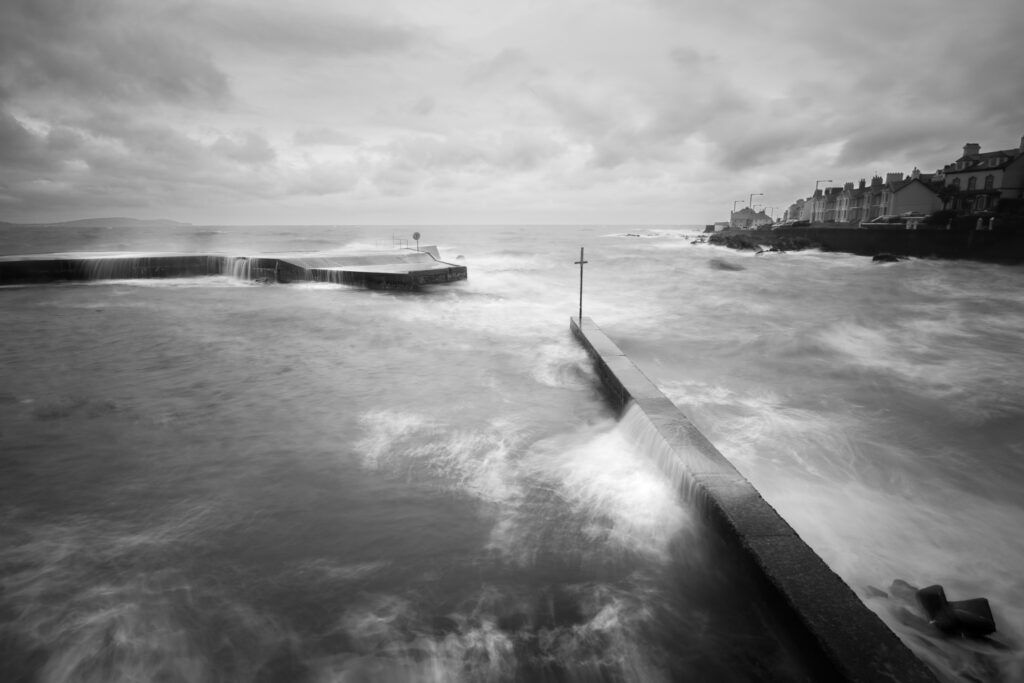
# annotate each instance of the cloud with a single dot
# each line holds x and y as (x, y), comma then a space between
(320, 179)
(300, 28)
(650, 103)
(308, 137)
(639, 124)
(103, 50)
(509, 61)
(481, 162)
(505, 151)
(868, 145)
(247, 148)
(115, 160)
(424, 106)
(690, 58)
(19, 146)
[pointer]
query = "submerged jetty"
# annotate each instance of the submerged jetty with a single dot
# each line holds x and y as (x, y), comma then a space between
(400, 269)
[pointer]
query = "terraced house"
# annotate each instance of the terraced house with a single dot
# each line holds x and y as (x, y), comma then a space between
(975, 182)
(979, 180)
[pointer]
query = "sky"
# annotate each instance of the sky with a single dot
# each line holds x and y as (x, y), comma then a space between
(478, 112)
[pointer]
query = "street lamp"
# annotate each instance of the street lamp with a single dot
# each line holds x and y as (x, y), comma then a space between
(734, 205)
(819, 181)
(752, 195)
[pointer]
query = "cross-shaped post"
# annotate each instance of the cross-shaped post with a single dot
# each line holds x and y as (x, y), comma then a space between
(580, 263)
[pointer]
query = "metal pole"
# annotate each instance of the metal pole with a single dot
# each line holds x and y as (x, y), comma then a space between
(581, 262)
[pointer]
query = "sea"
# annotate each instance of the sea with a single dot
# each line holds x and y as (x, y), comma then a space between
(211, 480)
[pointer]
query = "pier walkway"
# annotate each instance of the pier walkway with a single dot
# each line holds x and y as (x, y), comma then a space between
(842, 638)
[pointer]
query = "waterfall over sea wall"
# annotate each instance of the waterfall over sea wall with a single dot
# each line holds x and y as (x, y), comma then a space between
(127, 267)
(241, 268)
(639, 429)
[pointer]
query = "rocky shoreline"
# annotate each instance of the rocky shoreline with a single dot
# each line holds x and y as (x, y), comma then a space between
(1003, 245)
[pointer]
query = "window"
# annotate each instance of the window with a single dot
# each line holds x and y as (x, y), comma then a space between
(990, 181)
(972, 183)
(956, 183)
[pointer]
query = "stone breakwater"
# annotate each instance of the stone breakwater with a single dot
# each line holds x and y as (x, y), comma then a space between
(999, 245)
(841, 639)
(374, 270)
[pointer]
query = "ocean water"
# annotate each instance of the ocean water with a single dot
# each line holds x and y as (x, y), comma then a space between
(212, 480)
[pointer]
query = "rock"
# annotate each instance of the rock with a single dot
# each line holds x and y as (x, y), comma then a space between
(971, 618)
(886, 257)
(954, 642)
(761, 240)
(722, 264)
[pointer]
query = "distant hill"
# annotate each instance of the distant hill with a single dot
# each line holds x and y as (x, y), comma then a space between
(117, 222)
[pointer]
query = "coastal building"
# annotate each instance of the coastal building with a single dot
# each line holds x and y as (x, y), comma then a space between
(978, 180)
(748, 218)
(917, 193)
(831, 204)
(846, 203)
(814, 208)
(859, 204)
(852, 204)
(794, 211)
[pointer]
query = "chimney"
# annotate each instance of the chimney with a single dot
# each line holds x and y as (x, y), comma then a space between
(876, 181)
(862, 184)
(893, 178)
(971, 148)
(915, 174)
(848, 186)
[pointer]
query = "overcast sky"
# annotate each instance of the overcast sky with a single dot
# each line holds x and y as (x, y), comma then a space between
(475, 111)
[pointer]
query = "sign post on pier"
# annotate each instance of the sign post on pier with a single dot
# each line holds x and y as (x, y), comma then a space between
(581, 262)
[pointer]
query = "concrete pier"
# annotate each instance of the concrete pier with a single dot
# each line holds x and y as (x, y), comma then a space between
(842, 638)
(401, 269)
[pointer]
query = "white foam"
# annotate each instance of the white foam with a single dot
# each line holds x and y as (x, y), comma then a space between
(631, 506)
(474, 462)
(560, 364)
(101, 626)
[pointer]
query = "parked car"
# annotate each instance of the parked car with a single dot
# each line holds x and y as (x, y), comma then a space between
(885, 221)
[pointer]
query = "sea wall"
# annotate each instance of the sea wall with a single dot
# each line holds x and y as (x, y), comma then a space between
(842, 638)
(376, 270)
(999, 245)
(42, 269)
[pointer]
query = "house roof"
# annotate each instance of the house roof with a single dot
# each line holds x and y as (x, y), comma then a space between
(747, 211)
(904, 184)
(983, 161)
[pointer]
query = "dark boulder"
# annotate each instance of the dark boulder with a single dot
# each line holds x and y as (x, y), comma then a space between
(886, 257)
(722, 264)
(736, 240)
(971, 618)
